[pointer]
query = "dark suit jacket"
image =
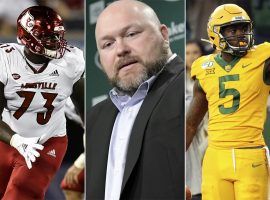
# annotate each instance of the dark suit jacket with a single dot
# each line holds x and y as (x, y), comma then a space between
(155, 158)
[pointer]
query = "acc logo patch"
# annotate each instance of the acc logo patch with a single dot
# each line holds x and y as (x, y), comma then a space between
(16, 76)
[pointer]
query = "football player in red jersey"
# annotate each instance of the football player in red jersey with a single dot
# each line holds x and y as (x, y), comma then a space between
(36, 78)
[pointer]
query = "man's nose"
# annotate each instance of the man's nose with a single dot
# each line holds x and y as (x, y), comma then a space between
(122, 48)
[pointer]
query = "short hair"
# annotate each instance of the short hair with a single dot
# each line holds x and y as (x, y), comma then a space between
(199, 44)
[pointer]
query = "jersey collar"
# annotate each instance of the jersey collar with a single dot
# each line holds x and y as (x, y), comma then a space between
(225, 65)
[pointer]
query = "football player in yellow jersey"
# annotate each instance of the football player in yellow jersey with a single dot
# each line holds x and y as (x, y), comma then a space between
(233, 85)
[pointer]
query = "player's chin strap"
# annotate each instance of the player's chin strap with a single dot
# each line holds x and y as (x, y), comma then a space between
(205, 40)
(209, 42)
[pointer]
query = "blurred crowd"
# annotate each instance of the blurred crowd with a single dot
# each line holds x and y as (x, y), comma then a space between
(198, 12)
(72, 11)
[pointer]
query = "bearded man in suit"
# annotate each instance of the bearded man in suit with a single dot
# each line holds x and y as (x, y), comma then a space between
(135, 138)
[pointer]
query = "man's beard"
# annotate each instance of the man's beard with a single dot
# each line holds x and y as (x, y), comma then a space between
(149, 68)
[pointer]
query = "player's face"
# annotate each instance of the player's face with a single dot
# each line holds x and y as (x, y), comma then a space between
(193, 52)
(51, 42)
(236, 34)
(131, 49)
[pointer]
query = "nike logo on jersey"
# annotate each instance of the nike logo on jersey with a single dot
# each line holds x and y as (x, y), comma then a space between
(51, 153)
(256, 165)
(244, 66)
(54, 73)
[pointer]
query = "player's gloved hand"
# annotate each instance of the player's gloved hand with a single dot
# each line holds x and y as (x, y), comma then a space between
(27, 147)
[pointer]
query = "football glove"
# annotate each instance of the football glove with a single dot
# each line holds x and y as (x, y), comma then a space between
(27, 147)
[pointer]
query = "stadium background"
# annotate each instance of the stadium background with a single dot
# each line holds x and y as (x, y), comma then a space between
(198, 12)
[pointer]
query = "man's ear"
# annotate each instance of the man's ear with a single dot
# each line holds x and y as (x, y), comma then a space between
(164, 32)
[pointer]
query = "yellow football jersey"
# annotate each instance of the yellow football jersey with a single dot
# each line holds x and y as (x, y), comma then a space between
(237, 97)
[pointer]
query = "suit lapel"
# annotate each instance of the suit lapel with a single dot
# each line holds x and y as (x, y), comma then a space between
(141, 121)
